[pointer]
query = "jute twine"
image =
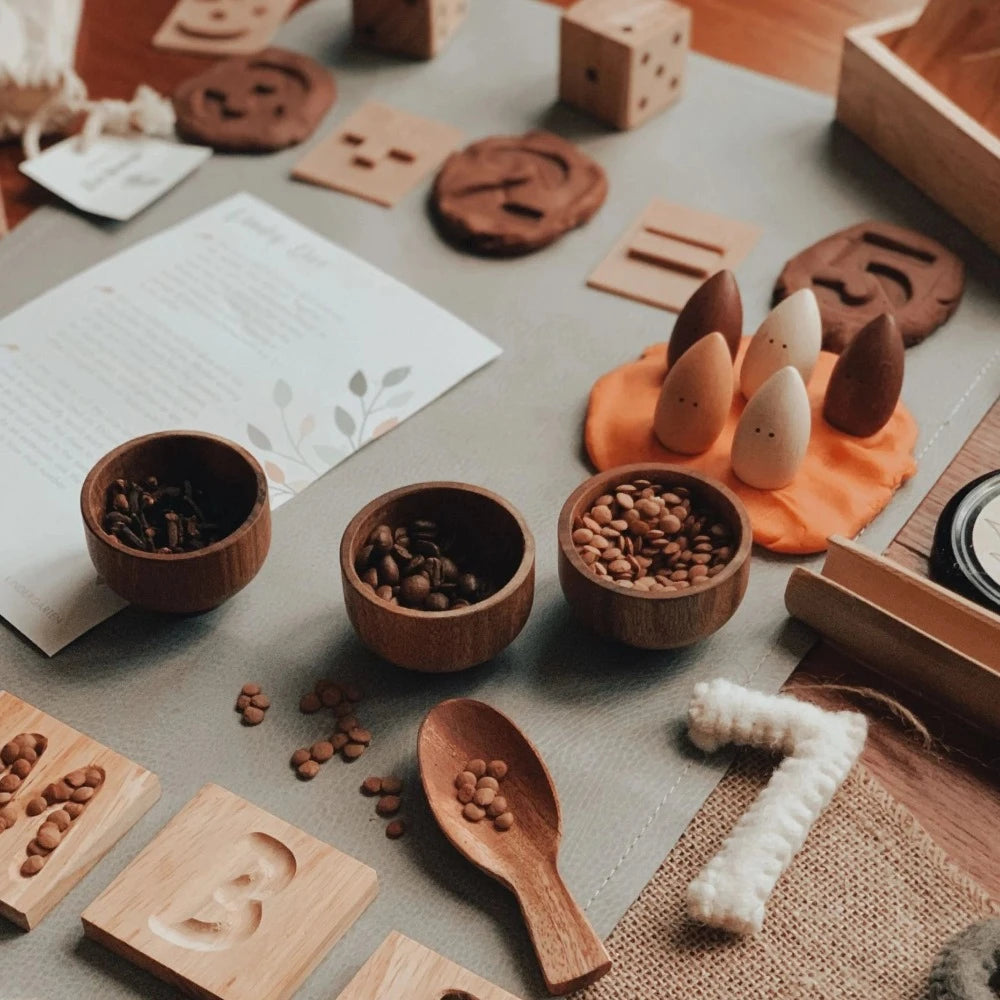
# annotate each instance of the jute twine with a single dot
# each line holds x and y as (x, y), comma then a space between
(860, 914)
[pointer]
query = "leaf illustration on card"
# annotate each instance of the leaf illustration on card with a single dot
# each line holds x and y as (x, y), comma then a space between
(358, 384)
(399, 400)
(258, 438)
(282, 394)
(329, 454)
(344, 421)
(386, 425)
(307, 426)
(394, 377)
(274, 472)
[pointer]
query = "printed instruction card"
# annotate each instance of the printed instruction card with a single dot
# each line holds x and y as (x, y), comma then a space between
(238, 321)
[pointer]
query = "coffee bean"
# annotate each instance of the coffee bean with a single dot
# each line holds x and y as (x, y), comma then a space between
(436, 602)
(414, 590)
(381, 539)
(388, 571)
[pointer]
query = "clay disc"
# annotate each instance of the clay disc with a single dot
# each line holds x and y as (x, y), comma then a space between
(509, 195)
(874, 268)
(257, 103)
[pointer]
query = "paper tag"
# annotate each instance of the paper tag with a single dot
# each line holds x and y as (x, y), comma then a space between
(116, 177)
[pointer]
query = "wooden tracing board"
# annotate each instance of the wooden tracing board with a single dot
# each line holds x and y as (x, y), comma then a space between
(401, 969)
(123, 793)
(230, 902)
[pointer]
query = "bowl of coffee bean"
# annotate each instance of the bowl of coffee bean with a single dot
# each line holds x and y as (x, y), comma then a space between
(655, 556)
(177, 521)
(438, 576)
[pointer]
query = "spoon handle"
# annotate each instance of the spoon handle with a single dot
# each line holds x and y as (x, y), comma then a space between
(569, 951)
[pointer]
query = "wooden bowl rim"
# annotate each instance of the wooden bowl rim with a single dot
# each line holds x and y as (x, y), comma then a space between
(260, 505)
(651, 470)
(524, 569)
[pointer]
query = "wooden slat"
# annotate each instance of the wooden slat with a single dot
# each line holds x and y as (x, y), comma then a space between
(896, 648)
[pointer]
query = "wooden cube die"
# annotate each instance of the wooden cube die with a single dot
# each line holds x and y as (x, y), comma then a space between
(623, 60)
(418, 28)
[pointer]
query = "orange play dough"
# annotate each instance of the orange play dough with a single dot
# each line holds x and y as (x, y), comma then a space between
(842, 484)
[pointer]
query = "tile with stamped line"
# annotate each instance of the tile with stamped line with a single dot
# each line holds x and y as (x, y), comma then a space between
(223, 884)
(669, 251)
(402, 969)
(379, 154)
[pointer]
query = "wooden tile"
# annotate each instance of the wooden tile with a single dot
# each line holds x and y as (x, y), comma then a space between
(401, 969)
(669, 251)
(222, 27)
(379, 154)
(230, 902)
(124, 794)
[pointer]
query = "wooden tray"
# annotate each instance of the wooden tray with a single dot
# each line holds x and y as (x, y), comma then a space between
(125, 795)
(230, 902)
(401, 969)
(923, 133)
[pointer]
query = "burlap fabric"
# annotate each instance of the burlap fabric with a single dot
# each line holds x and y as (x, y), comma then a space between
(859, 915)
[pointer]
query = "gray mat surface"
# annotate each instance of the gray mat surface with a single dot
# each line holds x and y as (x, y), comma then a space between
(608, 720)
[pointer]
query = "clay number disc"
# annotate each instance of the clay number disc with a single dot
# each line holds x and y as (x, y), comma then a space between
(874, 268)
(510, 195)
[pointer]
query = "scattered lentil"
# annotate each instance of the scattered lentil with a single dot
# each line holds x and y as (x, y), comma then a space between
(307, 770)
(301, 756)
(322, 751)
(388, 805)
(372, 785)
(395, 829)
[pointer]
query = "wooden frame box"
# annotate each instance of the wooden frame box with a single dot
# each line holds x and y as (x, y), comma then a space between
(928, 138)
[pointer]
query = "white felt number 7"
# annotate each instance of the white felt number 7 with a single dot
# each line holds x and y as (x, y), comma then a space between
(820, 749)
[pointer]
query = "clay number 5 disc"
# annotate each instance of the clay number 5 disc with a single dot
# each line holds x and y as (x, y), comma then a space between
(510, 195)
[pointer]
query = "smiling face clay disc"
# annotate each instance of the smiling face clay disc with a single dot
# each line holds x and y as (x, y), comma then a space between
(257, 103)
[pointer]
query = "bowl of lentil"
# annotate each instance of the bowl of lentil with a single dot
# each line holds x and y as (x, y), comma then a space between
(655, 556)
(177, 521)
(438, 577)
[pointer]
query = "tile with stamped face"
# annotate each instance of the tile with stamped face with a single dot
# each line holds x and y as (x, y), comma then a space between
(401, 969)
(222, 27)
(669, 251)
(65, 800)
(379, 154)
(223, 884)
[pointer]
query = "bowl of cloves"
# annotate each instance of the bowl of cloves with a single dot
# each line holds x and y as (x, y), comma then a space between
(177, 521)
(438, 577)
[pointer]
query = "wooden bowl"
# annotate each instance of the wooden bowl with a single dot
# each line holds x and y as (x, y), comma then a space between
(445, 641)
(187, 582)
(663, 620)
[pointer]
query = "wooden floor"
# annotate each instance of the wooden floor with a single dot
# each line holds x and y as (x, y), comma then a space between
(955, 793)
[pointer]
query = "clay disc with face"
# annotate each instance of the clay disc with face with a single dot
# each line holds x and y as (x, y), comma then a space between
(510, 195)
(873, 268)
(270, 100)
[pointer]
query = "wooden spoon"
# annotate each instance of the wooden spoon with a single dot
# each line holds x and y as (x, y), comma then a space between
(524, 858)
